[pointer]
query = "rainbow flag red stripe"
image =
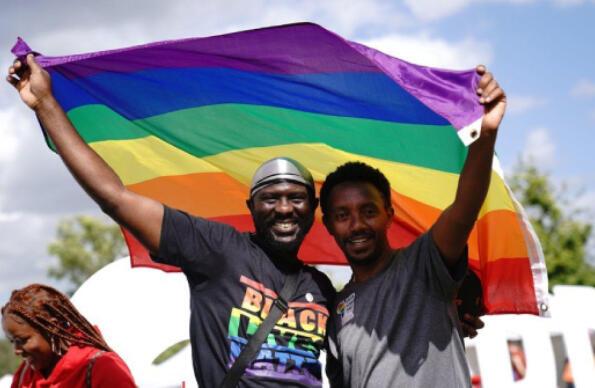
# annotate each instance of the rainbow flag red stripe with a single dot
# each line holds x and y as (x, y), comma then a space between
(187, 122)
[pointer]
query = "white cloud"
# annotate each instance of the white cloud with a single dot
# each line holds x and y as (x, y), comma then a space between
(432, 10)
(587, 201)
(520, 104)
(429, 10)
(583, 88)
(427, 50)
(539, 148)
(10, 217)
(113, 24)
(334, 14)
(8, 133)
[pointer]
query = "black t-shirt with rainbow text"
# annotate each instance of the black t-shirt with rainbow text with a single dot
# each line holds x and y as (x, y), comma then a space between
(232, 286)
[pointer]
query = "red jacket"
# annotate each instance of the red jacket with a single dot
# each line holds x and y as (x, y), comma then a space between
(108, 371)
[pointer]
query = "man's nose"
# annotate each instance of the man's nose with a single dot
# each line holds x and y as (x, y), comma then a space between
(284, 206)
(357, 223)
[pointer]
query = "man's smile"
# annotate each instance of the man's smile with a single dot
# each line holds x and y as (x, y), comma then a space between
(285, 227)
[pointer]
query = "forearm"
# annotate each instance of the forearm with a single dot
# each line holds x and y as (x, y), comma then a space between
(141, 215)
(474, 180)
(451, 231)
(87, 167)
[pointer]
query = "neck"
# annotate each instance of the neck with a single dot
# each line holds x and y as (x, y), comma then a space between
(285, 259)
(362, 272)
(48, 371)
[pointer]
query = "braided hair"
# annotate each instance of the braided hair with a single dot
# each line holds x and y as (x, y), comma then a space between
(52, 314)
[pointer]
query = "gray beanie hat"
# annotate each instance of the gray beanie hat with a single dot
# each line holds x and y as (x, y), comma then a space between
(277, 169)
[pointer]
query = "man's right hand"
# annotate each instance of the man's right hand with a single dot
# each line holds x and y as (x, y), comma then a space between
(31, 81)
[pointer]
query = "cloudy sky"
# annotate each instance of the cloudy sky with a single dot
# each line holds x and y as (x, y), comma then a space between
(540, 50)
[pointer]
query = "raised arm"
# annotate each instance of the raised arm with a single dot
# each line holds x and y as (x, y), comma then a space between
(452, 229)
(141, 215)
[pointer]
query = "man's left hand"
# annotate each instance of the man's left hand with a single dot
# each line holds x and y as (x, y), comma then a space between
(471, 325)
(493, 98)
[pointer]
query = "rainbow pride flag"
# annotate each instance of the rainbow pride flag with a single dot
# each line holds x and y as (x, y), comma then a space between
(187, 122)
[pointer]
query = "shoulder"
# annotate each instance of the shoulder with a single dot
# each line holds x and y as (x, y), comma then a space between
(108, 368)
(421, 250)
(322, 280)
(424, 240)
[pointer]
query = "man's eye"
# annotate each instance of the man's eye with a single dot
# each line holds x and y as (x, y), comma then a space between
(370, 212)
(341, 216)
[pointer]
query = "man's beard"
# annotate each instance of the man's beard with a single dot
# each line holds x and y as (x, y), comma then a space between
(265, 234)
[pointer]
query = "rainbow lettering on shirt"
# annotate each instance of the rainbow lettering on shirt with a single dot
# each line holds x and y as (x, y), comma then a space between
(292, 348)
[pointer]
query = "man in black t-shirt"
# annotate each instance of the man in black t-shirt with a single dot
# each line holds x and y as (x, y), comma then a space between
(233, 276)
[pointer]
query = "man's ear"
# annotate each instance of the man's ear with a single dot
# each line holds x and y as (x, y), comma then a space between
(250, 204)
(391, 213)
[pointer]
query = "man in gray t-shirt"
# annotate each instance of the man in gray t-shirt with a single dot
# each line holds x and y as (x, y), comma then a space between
(413, 296)
(395, 324)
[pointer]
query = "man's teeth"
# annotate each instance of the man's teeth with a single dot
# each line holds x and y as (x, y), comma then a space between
(359, 240)
(285, 225)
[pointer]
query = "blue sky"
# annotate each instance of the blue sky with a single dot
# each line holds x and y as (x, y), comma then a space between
(540, 51)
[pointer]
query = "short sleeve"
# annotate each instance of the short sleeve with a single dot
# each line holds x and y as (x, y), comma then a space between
(425, 262)
(192, 243)
(110, 371)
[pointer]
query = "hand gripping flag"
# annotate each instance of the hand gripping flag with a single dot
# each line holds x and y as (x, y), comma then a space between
(187, 122)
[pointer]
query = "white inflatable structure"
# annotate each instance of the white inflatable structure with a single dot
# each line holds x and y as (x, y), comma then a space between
(5, 381)
(142, 312)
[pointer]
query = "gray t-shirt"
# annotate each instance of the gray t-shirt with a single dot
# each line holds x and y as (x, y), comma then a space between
(400, 328)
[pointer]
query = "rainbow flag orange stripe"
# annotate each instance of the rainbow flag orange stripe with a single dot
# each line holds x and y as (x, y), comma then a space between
(187, 122)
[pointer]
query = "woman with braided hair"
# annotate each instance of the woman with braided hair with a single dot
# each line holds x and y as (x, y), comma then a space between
(59, 347)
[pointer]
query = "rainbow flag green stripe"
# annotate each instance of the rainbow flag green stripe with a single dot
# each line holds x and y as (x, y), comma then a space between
(187, 122)
(239, 126)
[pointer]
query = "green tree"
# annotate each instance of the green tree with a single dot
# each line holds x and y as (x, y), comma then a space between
(8, 360)
(83, 245)
(558, 225)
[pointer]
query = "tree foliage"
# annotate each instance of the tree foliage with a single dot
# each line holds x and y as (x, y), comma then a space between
(83, 245)
(559, 226)
(8, 360)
